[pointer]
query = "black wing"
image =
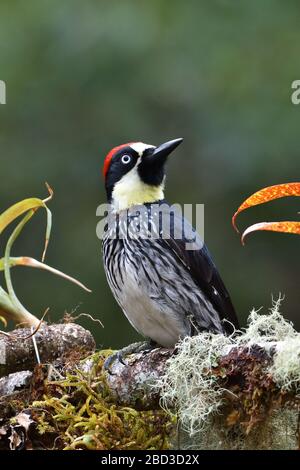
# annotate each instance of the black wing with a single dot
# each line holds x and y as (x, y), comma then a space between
(199, 263)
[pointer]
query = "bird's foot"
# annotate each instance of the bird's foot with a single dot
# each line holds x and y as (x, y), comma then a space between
(134, 348)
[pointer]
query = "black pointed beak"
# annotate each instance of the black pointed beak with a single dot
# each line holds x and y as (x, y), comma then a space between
(162, 151)
(151, 168)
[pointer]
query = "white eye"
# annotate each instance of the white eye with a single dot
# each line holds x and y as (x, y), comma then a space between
(126, 159)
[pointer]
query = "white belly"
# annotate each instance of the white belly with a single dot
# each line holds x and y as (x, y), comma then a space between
(147, 317)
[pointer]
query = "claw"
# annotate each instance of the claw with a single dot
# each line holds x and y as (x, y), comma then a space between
(143, 347)
(109, 362)
(120, 357)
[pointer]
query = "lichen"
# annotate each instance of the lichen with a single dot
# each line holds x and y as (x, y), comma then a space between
(286, 366)
(267, 329)
(278, 431)
(233, 392)
(188, 383)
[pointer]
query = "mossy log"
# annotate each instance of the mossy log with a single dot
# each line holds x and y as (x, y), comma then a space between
(43, 407)
(129, 385)
(119, 409)
(22, 351)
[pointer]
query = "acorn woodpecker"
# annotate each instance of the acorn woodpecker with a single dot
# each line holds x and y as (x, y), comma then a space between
(166, 289)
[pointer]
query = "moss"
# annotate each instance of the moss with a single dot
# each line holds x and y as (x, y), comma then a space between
(77, 412)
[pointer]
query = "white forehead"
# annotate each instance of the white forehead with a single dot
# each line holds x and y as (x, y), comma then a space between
(140, 147)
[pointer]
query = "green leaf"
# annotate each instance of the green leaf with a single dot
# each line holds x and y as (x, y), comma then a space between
(28, 205)
(10, 306)
(33, 263)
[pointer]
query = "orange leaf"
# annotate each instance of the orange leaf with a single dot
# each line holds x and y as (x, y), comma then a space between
(268, 194)
(285, 227)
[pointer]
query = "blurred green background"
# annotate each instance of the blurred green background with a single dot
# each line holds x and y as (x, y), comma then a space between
(83, 77)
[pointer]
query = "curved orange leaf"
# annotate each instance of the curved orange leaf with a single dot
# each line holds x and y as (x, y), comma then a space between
(284, 227)
(268, 194)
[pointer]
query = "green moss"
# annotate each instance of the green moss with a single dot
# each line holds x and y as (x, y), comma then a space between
(78, 412)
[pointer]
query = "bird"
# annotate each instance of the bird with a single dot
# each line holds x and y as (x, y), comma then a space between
(166, 290)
